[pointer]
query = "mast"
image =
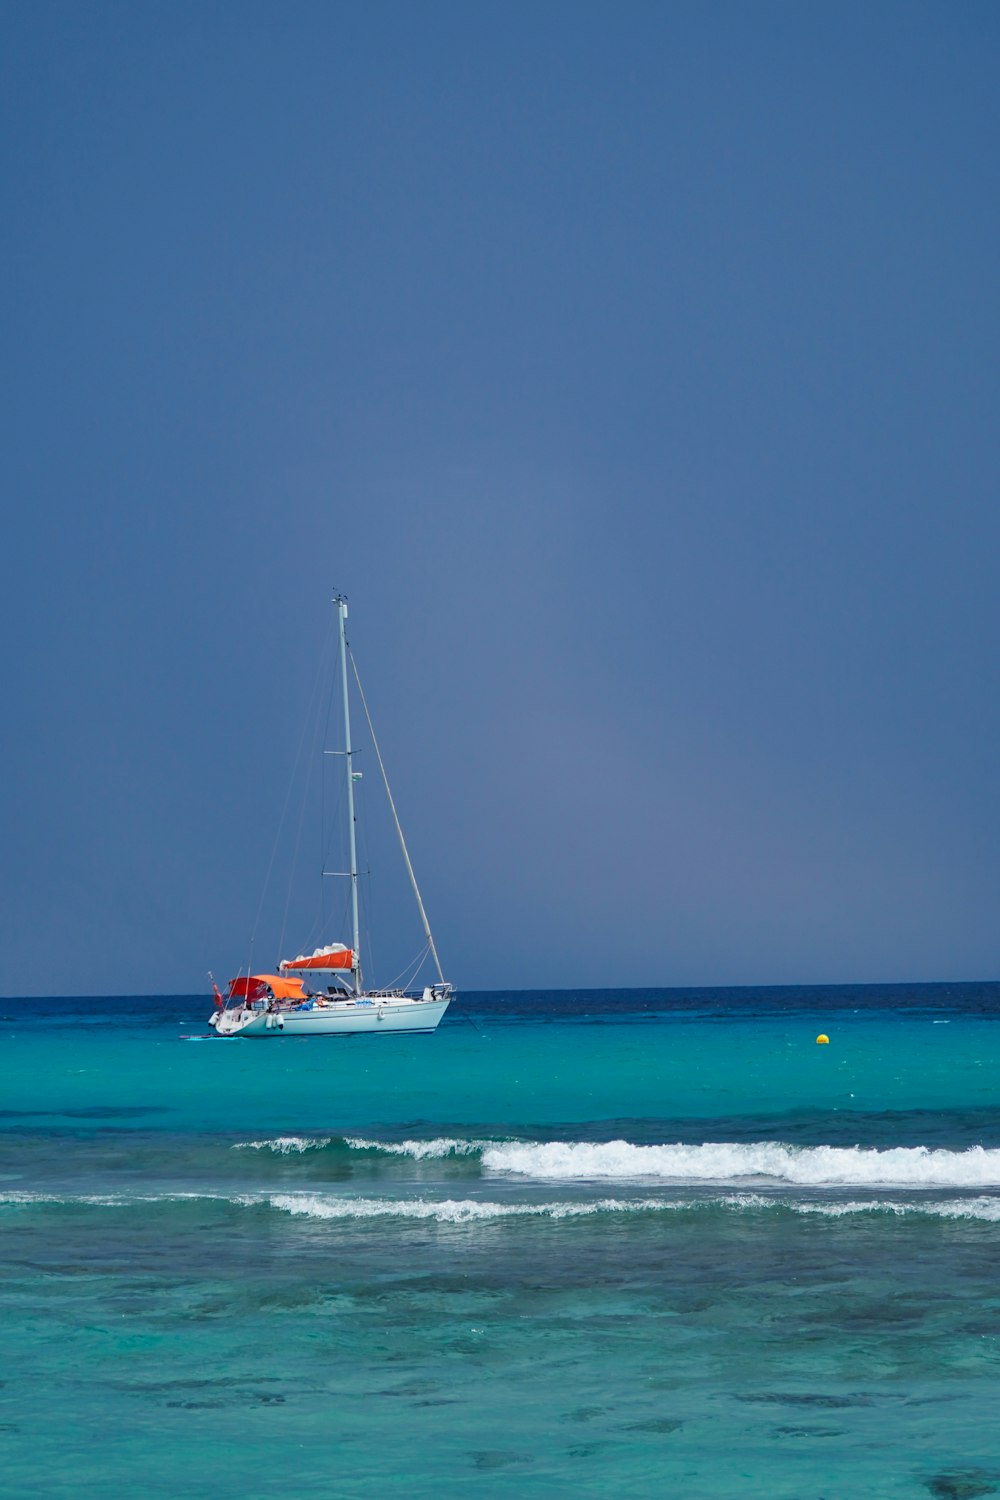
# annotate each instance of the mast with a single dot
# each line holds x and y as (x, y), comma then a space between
(341, 604)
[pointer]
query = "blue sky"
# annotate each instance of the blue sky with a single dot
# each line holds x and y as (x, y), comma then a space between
(632, 369)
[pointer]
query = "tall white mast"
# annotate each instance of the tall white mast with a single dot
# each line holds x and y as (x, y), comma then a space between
(341, 604)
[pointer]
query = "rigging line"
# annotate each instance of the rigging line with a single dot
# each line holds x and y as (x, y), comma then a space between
(412, 967)
(324, 652)
(334, 822)
(320, 931)
(322, 818)
(410, 982)
(399, 830)
(316, 934)
(339, 913)
(365, 890)
(298, 844)
(314, 716)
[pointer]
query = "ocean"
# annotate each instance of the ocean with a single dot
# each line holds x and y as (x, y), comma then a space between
(640, 1243)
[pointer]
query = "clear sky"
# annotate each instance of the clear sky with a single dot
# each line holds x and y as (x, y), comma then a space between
(633, 369)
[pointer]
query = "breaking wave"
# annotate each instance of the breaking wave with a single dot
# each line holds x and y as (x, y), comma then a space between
(324, 1206)
(452, 1211)
(286, 1145)
(471, 1210)
(720, 1162)
(711, 1163)
(420, 1150)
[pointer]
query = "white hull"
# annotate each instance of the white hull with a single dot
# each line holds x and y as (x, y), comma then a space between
(336, 1018)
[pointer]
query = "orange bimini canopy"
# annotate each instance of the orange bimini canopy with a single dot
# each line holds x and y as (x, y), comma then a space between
(336, 956)
(259, 986)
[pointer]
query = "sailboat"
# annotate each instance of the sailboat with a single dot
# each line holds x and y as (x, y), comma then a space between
(285, 1004)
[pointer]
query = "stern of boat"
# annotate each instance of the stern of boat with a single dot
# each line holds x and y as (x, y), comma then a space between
(244, 1022)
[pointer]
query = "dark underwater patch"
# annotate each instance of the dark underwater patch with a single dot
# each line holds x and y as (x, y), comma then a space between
(194, 1383)
(498, 1458)
(822, 1402)
(962, 1484)
(91, 1112)
(413, 1388)
(585, 1413)
(662, 1425)
(117, 1112)
(235, 1398)
(199, 1405)
(808, 1432)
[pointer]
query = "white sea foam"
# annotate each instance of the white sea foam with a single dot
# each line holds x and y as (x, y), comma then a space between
(419, 1150)
(710, 1163)
(451, 1210)
(100, 1200)
(110, 1200)
(718, 1162)
(285, 1145)
(469, 1210)
(322, 1206)
(982, 1208)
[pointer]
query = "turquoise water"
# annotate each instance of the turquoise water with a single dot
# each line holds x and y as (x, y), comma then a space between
(625, 1243)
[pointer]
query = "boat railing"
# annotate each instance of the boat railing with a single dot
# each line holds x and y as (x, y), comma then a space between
(344, 998)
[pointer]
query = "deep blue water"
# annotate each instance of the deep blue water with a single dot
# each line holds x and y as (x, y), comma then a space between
(593, 1243)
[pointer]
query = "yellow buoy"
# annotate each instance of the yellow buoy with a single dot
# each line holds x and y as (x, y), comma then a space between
(823, 1038)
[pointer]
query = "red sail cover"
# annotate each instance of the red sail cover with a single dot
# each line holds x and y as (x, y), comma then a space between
(336, 956)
